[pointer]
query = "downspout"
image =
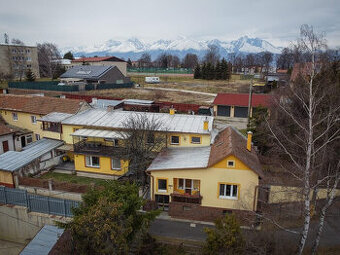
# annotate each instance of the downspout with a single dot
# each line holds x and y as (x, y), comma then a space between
(255, 197)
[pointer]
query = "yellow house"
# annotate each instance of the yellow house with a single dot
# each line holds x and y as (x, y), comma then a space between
(96, 136)
(207, 182)
(25, 111)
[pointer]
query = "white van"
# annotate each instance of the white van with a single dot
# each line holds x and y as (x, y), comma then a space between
(152, 79)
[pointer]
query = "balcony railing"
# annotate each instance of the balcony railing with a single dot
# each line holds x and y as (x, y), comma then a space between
(186, 198)
(97, 148)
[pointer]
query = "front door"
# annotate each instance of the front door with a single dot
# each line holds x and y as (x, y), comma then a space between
(23, 141)
(5, 146)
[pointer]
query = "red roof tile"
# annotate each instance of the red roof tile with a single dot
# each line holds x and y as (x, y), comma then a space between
(98, 59)
(4, 130)
(241, 99)
(39, 105)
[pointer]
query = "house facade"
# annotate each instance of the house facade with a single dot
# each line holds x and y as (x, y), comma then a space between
(102, 61)
(15, 60)
(24, 111)
(6, 139)
(207, 182)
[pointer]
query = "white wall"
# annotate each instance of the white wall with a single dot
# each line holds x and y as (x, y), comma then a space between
(8, 138)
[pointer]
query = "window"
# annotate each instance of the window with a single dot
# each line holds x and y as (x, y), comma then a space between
(188, 185)
(14, 116)
(162, 185)
(34, 119)
(230, 163)
(37, 137)
(29, 139)
(174, 139)
(228, 191)
(196, 139)
(150, 139)
(115, 163)
(92, 161)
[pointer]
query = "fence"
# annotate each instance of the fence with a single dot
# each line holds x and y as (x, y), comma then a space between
(53, 86)
(160, 70)
(36, 203)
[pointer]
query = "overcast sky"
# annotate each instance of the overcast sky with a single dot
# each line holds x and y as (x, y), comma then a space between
(71, 23)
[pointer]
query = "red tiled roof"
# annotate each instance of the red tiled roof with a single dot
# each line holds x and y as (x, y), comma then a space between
(4, 130)
(39, 105)
(98, 59)
(241, 99)
(230, 142)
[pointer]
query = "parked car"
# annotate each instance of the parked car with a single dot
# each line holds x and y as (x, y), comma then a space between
(152, 79)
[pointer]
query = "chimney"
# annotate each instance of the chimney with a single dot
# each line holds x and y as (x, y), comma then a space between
(250, 135)
(94, 100)
(172, 110)
(206, 124)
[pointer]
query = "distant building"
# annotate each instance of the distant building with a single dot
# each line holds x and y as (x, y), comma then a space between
(15, 60)
(94, 74)
(102, 61)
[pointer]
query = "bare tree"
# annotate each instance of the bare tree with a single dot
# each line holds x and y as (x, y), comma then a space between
(212, 55)
(48, 53)
(267, 58)
(190, 61)
(143, 140)
(308, 132)
(144, 60)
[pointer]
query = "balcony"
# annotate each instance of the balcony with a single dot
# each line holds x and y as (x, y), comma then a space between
(98, 148)
(186, 198)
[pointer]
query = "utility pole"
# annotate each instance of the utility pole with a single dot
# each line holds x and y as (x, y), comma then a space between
(250, 98)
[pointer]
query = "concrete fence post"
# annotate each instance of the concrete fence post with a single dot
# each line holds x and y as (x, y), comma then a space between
(27, 201)
(5, 195)
(50, 184)
(16, 181)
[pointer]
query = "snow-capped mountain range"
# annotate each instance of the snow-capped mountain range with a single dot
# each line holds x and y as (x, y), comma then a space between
(133, 47)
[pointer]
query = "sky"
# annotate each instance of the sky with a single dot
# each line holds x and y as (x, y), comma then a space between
(75, 23)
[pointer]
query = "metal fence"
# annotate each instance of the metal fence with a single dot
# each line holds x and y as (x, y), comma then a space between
(36, 203)
(159, 70)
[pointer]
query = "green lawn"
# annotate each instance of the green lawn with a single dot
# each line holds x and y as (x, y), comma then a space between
(72, 178)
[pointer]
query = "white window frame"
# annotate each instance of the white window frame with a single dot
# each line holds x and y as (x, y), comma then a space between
(178, 139)
(89, 161)
(162, 190)
(112, 164)
(28, 137)
(37, 137)
(230, 161)
(33, 119)
(184, 182)
(230, 195)
(15, 116)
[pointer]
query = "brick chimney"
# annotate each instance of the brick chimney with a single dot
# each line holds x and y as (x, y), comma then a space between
(250, 135)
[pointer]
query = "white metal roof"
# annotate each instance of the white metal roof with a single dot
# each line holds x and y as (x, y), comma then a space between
(138, 101)
(181, 123)
(181, 158)
(99, 133)
(55, 117)
(104, 103)
(14, 160)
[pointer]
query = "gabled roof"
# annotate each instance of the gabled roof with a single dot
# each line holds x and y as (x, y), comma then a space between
(14, 160)
(230, 142)
(98, 59)
(181, 123)
(39, 105)
(5, 130)
(241, 99)
(86, 72)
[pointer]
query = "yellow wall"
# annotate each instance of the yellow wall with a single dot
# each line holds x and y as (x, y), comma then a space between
(105, 165)
(285, 194)
(67, 131)
(185, 140)
(6, 177)
(49, 134)
(209, 184)
(24, 121)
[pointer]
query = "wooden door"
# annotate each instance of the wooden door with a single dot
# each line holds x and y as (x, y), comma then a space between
(5, 146)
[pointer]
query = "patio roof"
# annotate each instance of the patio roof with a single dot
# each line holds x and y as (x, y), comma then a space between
(108, 134)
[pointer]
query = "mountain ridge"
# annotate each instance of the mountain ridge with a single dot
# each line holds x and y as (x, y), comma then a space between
(133, 47)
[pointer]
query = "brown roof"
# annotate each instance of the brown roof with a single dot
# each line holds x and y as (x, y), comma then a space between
(231, 142)
(39, 105)
(4, 130)
(98, 59)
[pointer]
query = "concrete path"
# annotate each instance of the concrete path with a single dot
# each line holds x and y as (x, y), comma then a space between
(183, 90)
(10, 248)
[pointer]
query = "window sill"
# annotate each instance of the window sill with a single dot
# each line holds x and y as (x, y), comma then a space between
(116, 169)
(93, 166)
(162, 191)
(228, 198)
(174, 143)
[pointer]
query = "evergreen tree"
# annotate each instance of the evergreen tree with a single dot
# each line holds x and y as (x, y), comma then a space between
(197, 72)
(30, 75)
(224, 69)
(218, 71)
(68, 55)
(210, 71)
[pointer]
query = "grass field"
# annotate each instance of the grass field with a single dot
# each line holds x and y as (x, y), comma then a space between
(72, 178)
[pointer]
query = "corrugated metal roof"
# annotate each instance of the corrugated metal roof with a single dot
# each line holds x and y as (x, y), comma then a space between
(44, 241)
(181, 123)
(13, 160)
(99, 133)
(86, 72)
(55, 117)
(104, 103)
(138, 101)
(181, 158)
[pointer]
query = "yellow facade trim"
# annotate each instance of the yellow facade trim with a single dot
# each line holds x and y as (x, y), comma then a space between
(167, 185)
(179, 140)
